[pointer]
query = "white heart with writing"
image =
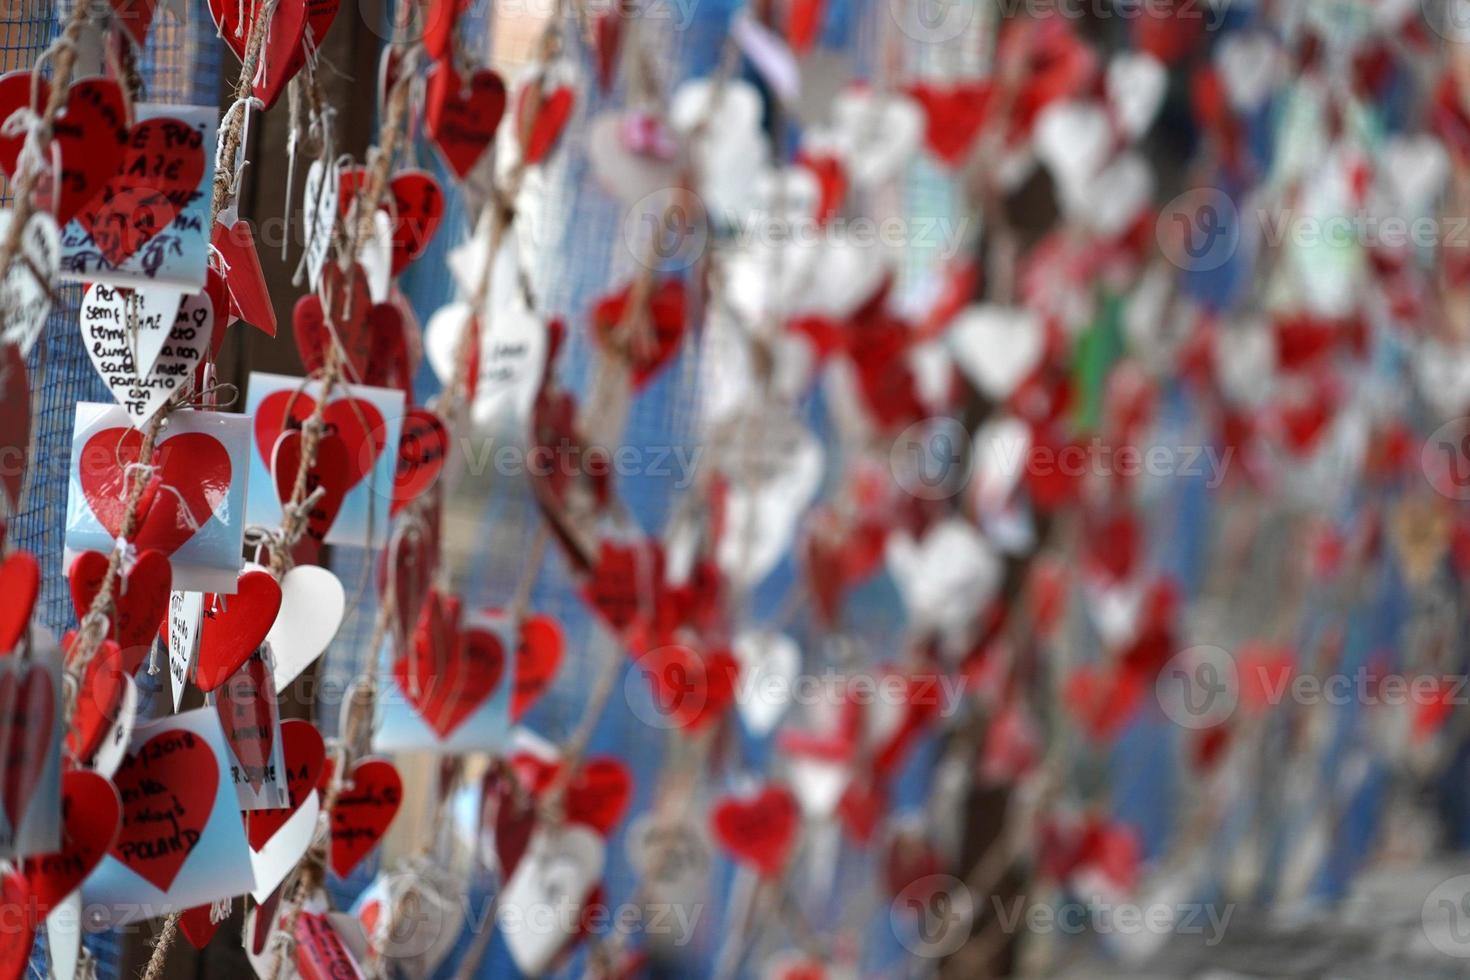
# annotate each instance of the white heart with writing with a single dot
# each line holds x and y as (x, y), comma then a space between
(25, 301)
(112, 345)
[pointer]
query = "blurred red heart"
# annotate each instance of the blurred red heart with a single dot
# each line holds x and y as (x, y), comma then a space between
(423, 445)
(540, 118)
(537, 661)
(25, 734)
(955, 114)
(158, 176)
(18, 941)
(462, 115)
(90, 133)
(346, 316)
(15, 422)
(20, 583)
(90, 819)
(139, 600)
(648, 337)
(452, 670)
(198, 925)
(759, 831)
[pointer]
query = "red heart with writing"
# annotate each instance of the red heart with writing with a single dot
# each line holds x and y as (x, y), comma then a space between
(246, 704)
(331, 472)
(15, 423)
(345, 317)
(159, 175)
(613, 587)
(19, 939)
(363, 812)
(234, 626)
(537, 661)
(25, 734)
(452, 671)
(540, 118)
(760, 831)
(98, 701)
(90, 133)
(250, 298)
(462, 114)
(422, 447)
(167, 789)
(139, 600)
(955, 114)
(194, 467)
(357, 421)
(90, 816)
(650, 336)
(20, 583)
(305, 755)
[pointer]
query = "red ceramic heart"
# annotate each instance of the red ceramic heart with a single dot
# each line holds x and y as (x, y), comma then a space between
(647, 338)
(20, 583)
(198, 925)
(331, 472)
(422, 447)
(194, 466)
(246, 704)
(537, 660)
(410, 559)
(462, 114)
(388, 360)
(90, 135)
(599, 793)
(15, 423)
(159, 175)
(25, 734)
(305, 755)
(613, 586)
(99, 700)
(90, 818)
(514, 818)
(955, 114)
(439, 26)
(167, 788)
(418, 207)
(344, 316)
(140, 599)
(363, 812)
(234, 626)
(452, 671)
(760, 831)
(357, 421)
(540, 118)
(250, 298)
(804, 23)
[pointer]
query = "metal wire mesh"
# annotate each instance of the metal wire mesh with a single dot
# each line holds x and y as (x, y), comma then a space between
(180, 65)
